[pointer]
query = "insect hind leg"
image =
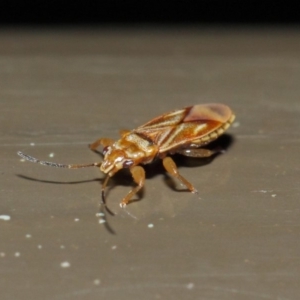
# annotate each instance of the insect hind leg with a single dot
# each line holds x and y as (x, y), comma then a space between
(171, 168)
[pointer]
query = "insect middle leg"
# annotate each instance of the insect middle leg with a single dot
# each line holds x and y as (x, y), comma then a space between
(138, 174)
(171, 168)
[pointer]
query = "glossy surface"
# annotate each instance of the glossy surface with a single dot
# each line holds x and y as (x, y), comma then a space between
(59, 91)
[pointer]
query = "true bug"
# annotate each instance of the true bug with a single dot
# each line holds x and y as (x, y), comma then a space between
(182, 131)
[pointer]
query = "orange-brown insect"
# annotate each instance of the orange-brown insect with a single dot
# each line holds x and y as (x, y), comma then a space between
(182, 131)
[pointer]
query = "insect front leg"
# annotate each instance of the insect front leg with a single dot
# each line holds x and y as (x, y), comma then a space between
(197, 152)
(101, 142)
(171, 168)
(123, 132)
(138, 174)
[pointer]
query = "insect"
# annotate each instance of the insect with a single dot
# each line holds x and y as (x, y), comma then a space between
(184, 131)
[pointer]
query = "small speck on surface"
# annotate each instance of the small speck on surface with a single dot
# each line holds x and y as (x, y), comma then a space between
(236, 124)
(2, 254)
(17, 254)
(5, 217)
(97, 281)
(51, 154)
(65, 264)
(190, 286)
(114, 247)
(32, 144)
(101, 221)
(273, 195)
(28, 236)
(62, 247)
(100, 214)
(39, 246)
(150, 225)
(76, 219)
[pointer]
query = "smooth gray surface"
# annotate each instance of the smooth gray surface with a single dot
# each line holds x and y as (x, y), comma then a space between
(62, 90)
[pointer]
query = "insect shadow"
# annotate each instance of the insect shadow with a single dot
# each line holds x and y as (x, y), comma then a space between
(54, 181)
(102, 209)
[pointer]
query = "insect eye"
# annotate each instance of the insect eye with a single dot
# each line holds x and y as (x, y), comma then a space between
(105, 150)
(127, 163)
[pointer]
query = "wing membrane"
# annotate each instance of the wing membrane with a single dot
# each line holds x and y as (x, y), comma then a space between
(197, 124)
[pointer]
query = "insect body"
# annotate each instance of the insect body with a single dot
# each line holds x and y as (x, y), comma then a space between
(182, 131)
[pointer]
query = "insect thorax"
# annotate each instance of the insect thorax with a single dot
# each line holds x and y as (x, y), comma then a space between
(126, 152)
(137, 147)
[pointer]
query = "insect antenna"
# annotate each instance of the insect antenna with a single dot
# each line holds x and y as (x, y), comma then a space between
(103, 195)
(56, 165)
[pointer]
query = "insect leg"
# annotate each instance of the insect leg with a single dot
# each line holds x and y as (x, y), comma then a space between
(124, 132)
(138, 174)
(101, 142)
(171, 168)
(197, 152)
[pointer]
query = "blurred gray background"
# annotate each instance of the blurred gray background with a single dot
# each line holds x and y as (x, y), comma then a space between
(65, 82)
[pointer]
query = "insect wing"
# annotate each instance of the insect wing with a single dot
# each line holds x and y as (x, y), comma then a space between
(198, 124)
(159, 127)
